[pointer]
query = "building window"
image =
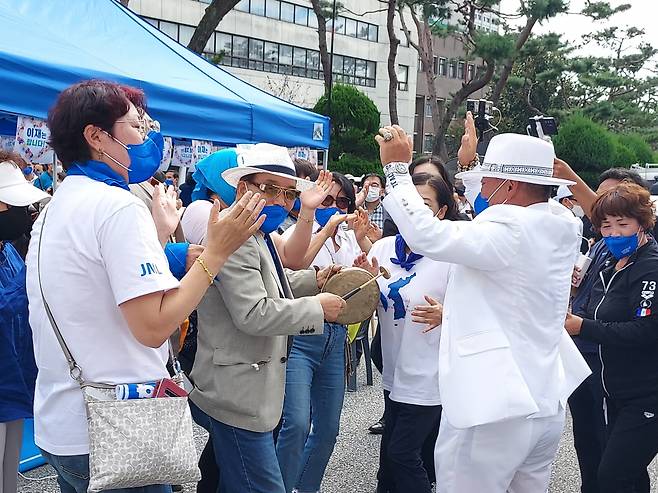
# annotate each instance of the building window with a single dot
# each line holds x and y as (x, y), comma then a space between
(428, 108)
(443, 67)
(435, 65)
(350, 28)
(256, 54)
(403, 77)
(312, 19)
(460, 70)
(354, 71)
(428, 141)
(362, 30)
(170, 29)
(471, 72)
(257, 7)
(301, 15)
(287, 12)
(373, 31)
(272, 9)
(243, 6)
(403, 38)
(452, 69)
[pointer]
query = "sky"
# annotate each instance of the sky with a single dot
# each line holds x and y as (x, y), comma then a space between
(642, 14)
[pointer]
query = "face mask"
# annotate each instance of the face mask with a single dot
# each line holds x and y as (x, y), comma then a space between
(275, 217)
(373, 194)
(297, 206)
(168, 183)
(495, 192)
(621, 246)
(578, 211)
(145, 158)
(480, 204)
(322, 216)
(14, 223)
(27, 171)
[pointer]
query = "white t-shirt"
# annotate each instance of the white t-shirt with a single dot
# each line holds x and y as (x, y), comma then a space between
(100, 249)
(348, 247)
(195, 221)
(410, 358)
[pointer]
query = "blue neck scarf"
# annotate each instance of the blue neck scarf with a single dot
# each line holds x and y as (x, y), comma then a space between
(404, 261)
(98, 171)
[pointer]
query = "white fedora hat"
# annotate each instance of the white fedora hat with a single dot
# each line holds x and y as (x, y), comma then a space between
(265, 158)
(15, 189)
(518, 158)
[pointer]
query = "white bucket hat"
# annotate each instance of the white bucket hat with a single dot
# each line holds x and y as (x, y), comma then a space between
(518, 158)
(15, 189)
(563, 192)
(265, 158)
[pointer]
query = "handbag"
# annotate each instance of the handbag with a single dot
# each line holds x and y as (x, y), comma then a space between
(136, 442)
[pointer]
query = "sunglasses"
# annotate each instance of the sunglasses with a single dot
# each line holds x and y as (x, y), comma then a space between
(271, 192)
(341, 202)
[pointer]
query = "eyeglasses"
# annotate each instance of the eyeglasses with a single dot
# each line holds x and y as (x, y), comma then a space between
(271, 192)
(145, 124)
(341, 202)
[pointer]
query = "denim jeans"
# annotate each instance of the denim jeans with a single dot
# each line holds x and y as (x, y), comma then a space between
(246, 459)
(315, 387)
(73, 475)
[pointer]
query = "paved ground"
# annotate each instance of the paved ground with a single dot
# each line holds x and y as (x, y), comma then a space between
(354, 462)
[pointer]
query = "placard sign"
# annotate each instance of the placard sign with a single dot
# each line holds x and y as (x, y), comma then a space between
(32, 140)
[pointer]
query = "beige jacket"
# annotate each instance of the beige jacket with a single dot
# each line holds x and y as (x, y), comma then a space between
(244, 320)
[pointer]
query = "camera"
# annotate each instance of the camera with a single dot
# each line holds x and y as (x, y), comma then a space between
(541, 126)
(480, 108)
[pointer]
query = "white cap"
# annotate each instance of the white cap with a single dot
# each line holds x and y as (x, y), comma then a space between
(15, 189)
(563, 192)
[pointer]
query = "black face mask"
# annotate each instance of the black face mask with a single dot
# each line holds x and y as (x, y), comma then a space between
(14, 223)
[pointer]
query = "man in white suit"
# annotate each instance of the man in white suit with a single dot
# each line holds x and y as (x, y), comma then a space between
(506, 364)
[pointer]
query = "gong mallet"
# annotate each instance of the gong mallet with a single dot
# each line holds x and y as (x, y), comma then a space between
(382, 272)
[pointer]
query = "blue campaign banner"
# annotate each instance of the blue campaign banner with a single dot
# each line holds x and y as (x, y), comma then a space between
(30, 454)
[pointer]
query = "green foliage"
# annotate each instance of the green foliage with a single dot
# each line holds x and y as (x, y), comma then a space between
(354, 122)
(623, 157)
(642, 152)
(493, 46)
(585, 145)
(354, 165)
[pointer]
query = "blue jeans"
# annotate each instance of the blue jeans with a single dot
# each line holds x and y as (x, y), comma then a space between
(73, 475)
(315, 387)
(246, 459)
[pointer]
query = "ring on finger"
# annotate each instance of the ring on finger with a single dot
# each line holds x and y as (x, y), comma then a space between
(388, 136)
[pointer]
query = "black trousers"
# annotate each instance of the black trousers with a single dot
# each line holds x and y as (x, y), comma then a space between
(631, 446)
(407, 429)
(586, 406)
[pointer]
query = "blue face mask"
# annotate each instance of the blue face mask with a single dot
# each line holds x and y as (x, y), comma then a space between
(480, 204)
(276, 214)
(169, 182)
(322, 216)
(297, 206)
(27, 171)
(145, 158)
(621, 246)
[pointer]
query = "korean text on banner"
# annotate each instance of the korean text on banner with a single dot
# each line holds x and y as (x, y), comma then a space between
(32, 140)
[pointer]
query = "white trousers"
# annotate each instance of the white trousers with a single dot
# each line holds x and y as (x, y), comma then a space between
(512, 456)
(11, 436)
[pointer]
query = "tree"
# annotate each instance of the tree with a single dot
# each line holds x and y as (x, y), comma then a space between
(585, 145)
(213, 15)
(322, 13)
(430, 17)
(639, 148)
(393, 43)
(355, 119)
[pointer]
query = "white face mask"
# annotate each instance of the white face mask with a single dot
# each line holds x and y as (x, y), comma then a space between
(578, 211)
(373, 194)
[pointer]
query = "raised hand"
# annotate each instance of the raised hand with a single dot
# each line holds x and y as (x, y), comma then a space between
(562, 170)
(395, 146)
(164, 211)
(312, 198)
(230, 229)
(330, 228)
(375, 233)
(363, 263)
(361, 196)
(468, 148)
(430, 314)
(361, 224)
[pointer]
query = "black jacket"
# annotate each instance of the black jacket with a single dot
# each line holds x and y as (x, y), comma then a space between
(622, 316)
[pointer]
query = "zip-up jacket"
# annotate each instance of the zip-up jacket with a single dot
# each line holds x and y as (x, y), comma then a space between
(622, 317)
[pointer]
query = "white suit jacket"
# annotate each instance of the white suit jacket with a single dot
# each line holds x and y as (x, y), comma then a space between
(504, 350)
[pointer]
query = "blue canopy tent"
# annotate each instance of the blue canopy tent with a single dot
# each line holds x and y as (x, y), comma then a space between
(47, 46)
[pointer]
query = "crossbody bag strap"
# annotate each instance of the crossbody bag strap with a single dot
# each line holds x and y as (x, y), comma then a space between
(74, 370)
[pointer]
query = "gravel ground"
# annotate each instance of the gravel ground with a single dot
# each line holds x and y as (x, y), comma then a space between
(353, 465)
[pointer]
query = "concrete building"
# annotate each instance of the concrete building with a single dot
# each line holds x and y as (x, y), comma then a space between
(273, 45)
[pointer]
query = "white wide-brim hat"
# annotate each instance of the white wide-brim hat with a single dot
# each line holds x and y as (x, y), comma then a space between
(15, 189)
(265, 158)
(518, 158)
